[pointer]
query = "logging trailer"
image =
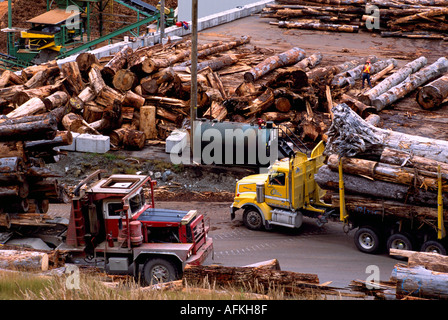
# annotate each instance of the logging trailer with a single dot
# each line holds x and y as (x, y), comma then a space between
(112, 226)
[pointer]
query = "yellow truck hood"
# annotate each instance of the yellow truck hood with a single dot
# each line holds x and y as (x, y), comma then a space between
(248, 184)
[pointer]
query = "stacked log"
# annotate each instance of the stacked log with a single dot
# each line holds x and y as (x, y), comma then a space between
(27, 143)
(333, 16)
(389, 173)
(411, 83)
(145, 93)
(419, 19)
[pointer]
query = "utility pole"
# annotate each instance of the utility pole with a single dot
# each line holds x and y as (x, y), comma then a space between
(162, 20)
(10, 34)
(194, 70)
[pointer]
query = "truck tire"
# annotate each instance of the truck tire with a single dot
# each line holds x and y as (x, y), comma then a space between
(433, 246)
(400, 241)
(252, 219)
(157, 270)
(367, 239)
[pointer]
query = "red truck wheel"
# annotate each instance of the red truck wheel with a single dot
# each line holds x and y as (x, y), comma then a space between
(157, 270)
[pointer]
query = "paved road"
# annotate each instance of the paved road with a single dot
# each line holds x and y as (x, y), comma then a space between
(327, 251)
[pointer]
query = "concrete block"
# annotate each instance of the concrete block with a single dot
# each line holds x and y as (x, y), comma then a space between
(177, 138)
(71, 147)
(92, 143)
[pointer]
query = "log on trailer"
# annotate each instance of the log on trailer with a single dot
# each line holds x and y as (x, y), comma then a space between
(328, 179)
(349, 135)
(387, 172)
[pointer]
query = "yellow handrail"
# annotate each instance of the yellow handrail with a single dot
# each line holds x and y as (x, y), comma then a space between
(440, 224)
(342, 209)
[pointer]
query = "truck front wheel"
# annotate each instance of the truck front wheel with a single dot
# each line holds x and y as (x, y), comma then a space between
(252, 219)
(367, 240)
(157, 270)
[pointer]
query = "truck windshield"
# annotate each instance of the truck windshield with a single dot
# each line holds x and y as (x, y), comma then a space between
(137, 202)
(277, 178)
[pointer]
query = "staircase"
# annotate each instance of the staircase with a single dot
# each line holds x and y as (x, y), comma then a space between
(289, 142)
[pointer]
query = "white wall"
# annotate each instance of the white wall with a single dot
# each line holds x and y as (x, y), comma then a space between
(208, 7)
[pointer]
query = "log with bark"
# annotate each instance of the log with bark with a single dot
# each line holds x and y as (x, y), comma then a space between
(327, 73)
(309, 62)
(128, 138)
(118, 62)
(57, 99)
(349, 77)
(29, 128)
(328, 179)
(9, 78)
(286, 58)
(433, 94)
(85, 61)
(319, 26)
(387, 172)
(411, 83)
(24, 260)
(154, 64)
(392, 80)
(349, 135)
(249, 277)
(72, 77)
(96, 80)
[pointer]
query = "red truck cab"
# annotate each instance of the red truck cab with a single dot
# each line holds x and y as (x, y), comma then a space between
(115, 218)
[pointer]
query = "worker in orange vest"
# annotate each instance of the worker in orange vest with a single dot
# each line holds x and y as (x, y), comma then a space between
(366, 74)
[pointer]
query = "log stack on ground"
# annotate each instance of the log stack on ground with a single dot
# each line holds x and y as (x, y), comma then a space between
(148, 90)
(410, 19)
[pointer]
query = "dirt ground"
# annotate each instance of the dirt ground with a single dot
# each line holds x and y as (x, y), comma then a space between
(174, 182)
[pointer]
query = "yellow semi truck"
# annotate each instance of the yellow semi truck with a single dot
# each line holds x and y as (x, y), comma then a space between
(283, 195)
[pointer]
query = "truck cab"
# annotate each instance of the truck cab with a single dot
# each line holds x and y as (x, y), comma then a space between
(284, 194)
(113, 221)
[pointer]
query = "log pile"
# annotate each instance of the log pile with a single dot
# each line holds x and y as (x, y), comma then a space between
(405, 18)
(387, 172)
(144, 94)
(26, 144)
(260, 278)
